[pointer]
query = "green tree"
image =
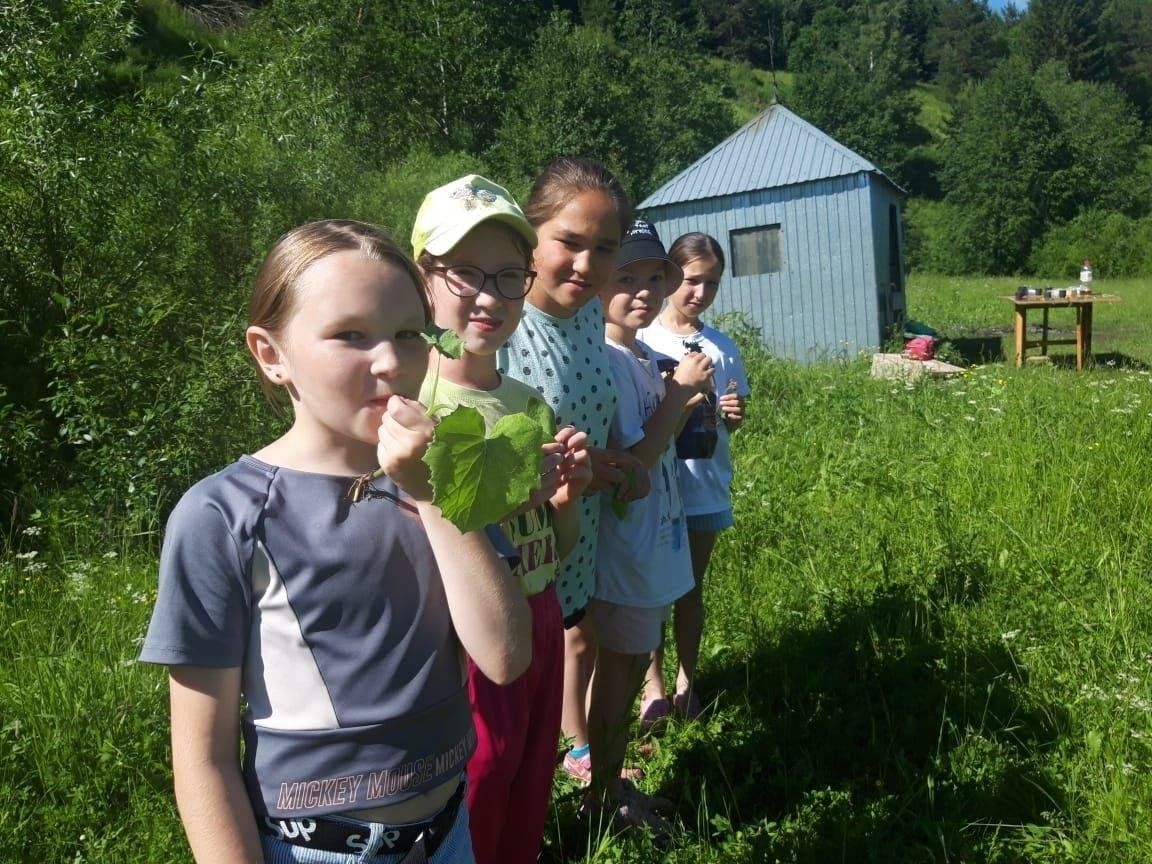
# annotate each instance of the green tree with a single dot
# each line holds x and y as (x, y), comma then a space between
(1069, 31)
(412, 71)
(567, 100)
(597, 13)
(683, 104)
(855, 73)
(134, 222)
(1101, 134)
(55, 136)
(1129, 24)
(964, 44)
(644, 104)
(748, 30)
(1003, 146)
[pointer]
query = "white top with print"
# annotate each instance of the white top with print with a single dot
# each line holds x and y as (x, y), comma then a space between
(642, 557)
(706, 483)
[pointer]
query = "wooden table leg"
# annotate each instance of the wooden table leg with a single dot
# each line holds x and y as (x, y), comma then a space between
(1080, 338)
(1083, 335)
(1044, 335)
(1021, 327)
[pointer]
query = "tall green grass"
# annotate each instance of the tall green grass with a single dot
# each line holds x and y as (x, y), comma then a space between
(753, 90)
(942, 599)
(929, 635)
(935, 109)
(84, 762)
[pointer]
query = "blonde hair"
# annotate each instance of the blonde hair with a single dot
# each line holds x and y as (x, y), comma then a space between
(273, 299)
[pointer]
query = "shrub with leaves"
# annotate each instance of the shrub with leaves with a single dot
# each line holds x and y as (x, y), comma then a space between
(137, 222)
(1118, 246)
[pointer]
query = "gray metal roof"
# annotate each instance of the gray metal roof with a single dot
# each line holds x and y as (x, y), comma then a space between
(774, 148)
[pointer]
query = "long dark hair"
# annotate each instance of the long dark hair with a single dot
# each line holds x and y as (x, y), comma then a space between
(695, 244)
(564, 178)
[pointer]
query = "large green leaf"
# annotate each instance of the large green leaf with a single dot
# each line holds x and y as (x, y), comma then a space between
(478, 479)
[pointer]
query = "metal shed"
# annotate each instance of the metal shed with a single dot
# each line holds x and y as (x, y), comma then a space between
(811, 230)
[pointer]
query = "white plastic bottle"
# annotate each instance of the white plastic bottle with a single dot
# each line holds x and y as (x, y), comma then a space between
(1086, 277)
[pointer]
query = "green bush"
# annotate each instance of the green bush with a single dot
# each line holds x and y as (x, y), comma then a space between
(1117, 245)
(135, 224)
(390, 197)
(928, 232)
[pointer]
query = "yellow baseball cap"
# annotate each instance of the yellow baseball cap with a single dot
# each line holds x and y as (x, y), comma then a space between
(448, 213)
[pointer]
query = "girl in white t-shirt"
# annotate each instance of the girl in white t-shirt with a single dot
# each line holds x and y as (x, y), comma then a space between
(642, 557)
(704, 483)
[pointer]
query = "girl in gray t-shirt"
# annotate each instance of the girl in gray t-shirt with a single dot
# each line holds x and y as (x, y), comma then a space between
(339, 627)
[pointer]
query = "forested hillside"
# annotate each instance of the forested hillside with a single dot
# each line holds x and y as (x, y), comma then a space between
(151, 150)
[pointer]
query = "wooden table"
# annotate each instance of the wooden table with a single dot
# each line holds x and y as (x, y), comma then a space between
(1082, 303)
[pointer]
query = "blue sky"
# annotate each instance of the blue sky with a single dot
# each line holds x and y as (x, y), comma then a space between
(1000, 4)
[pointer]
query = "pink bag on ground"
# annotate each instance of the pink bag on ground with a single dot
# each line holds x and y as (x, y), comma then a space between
(920, 348)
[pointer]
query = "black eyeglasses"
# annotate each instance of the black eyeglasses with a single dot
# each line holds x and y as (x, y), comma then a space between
(464, 280)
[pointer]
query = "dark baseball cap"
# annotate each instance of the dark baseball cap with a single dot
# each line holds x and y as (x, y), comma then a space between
(642, 243)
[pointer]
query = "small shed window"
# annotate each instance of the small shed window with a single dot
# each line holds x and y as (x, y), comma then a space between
(755, 250)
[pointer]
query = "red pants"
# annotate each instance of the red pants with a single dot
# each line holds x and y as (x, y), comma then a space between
(517, 732)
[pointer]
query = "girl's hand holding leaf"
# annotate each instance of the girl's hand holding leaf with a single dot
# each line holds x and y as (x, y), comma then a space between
(551, 471)
(406, 430)
(605, 474)
(618, 471)
(576, 470)
(694, 371)
(619, 502)
(474, 475)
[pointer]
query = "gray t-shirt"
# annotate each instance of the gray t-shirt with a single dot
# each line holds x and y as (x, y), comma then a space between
(566, 360)
(336, 615)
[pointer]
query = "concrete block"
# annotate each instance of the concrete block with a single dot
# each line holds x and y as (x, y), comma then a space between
(907, 369)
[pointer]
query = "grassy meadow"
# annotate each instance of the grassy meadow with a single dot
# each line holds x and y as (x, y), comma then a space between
(929, 635)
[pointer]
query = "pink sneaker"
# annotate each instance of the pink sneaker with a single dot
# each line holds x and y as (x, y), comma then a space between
(579, 768)
(653, 713)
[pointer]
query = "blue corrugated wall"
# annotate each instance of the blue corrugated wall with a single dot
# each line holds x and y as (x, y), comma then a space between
(826, 302)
